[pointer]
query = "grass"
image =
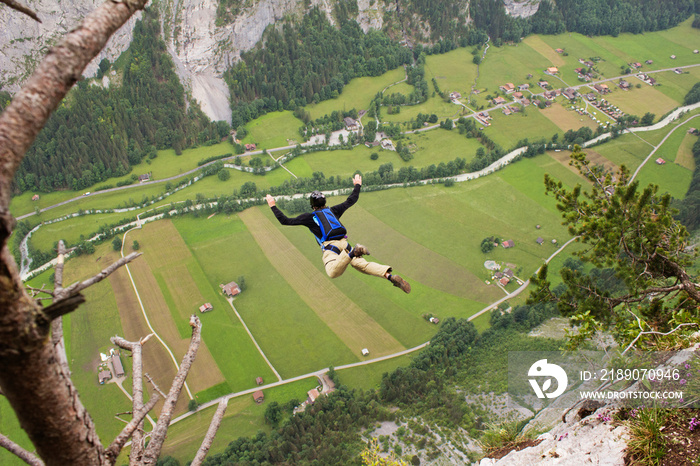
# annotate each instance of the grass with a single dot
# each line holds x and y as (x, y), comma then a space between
(642, 100)
(357, 94)
(530, 124)
(453, 71)
(434, 105)
(434, 147)
(370, 377)
(565, 118)
(243, 418)
(676, 86)
(647, 444)
(684, 156)
(275, 129)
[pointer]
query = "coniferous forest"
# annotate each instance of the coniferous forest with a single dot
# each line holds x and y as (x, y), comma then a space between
(99, 133)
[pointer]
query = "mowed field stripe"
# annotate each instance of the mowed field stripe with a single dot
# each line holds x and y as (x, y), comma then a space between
(350, 323)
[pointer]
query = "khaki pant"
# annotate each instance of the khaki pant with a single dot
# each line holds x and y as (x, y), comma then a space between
(337, 263)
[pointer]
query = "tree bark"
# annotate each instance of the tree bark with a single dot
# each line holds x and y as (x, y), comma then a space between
(40, 392)
(211, 433)
(152, 452)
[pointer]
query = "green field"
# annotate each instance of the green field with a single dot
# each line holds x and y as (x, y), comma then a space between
(276, 129)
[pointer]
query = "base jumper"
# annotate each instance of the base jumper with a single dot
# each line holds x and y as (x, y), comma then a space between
(331, 235)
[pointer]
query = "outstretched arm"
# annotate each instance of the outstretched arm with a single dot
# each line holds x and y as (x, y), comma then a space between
(303, 219)
(339, 209)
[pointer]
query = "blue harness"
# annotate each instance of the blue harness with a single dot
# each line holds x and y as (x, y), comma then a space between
(331, 229)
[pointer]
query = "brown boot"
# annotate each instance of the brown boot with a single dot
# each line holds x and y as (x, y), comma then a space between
(359, 251)
(400, 283)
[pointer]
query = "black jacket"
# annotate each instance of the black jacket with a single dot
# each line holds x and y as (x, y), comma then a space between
(307, 219)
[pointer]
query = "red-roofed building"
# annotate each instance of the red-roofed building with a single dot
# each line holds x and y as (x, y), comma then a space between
(660, 161)
(231, 289)
(258, 397)
(259, 381)
(508, 244)
(313, 394)
(206, 307)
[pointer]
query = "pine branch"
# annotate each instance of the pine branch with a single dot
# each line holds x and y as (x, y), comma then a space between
(20, 452)
(21, 8)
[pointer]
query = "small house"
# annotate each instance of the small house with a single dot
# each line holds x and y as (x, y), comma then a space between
(350, 123)
(518, 95)
(507, 88)
(525, 102)
(504, 281)
(660, 161)
(569, 93)
(434, 320)
(559, 50)
(543, 84)
(499, 100)
(649, 62)
(258, 397)
(206, 307)
(365, 352)
(35, 197)
(673, 57)
(145, 177)
(103, 376)
(524, 87)
(259, 381)
(312, 395)
(508, 244)
(231, 289)
(539, 240)
(624, 85)
(250, 147)
(552, 70)
(117, 365)
(508, 273)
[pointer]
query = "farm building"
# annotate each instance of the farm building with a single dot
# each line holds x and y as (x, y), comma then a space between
(231, 289)
(552, 70)
(660, 161)
(117, 365)
(508, 273)
(435, 320)
(499, 100)
(539, 240)
(250, 147)
(103, 376)
(144, 177)
(35, 197)
(504, 281)
(313, 394)
(258, 397)
(259, 380)
(508, 244)
(365, 352)
(206, 307)
(507, 88)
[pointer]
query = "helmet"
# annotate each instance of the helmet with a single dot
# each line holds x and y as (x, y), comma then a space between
(317, 199)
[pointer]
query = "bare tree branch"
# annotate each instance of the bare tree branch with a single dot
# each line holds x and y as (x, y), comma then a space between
(211, 433)
(155, 386)
(21, 8)
(79, 286)
(152, 452)
(20, 452)
(113, 450)
(58, 269)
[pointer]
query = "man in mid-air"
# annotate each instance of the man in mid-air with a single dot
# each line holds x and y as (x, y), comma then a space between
(331, 235)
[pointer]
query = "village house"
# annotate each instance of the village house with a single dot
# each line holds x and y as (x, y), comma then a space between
(103, 376)
(499, 100)
(579, 71)
(550, 95)
(258, 397)
(525, 102)
(117, 365)
(524, 87)
(508, 244)
(507, 88)
(145, 177)
(206, 307)
(508, 273)
(365, 352)
(250, 147)
(231, 289)
(350, 123)
(649, 62)
(539, 240)
(543, 84)
(506, 110)
(660, 161)
(258, 380)
(504, 281)
(601, 88)
(455, 95)
(552, 70)
(387, 144)
(624, 85)
(559, 50)
(434, 320)
(569, 93)
(35, 197)
(312, 395)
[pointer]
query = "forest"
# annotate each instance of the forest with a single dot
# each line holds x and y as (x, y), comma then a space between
(98, 133)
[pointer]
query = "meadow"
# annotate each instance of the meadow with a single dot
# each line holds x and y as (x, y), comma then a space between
(431, 235)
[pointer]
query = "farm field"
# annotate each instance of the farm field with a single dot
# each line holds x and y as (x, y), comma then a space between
(566, 118)
(639, 101)
(276, 129)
